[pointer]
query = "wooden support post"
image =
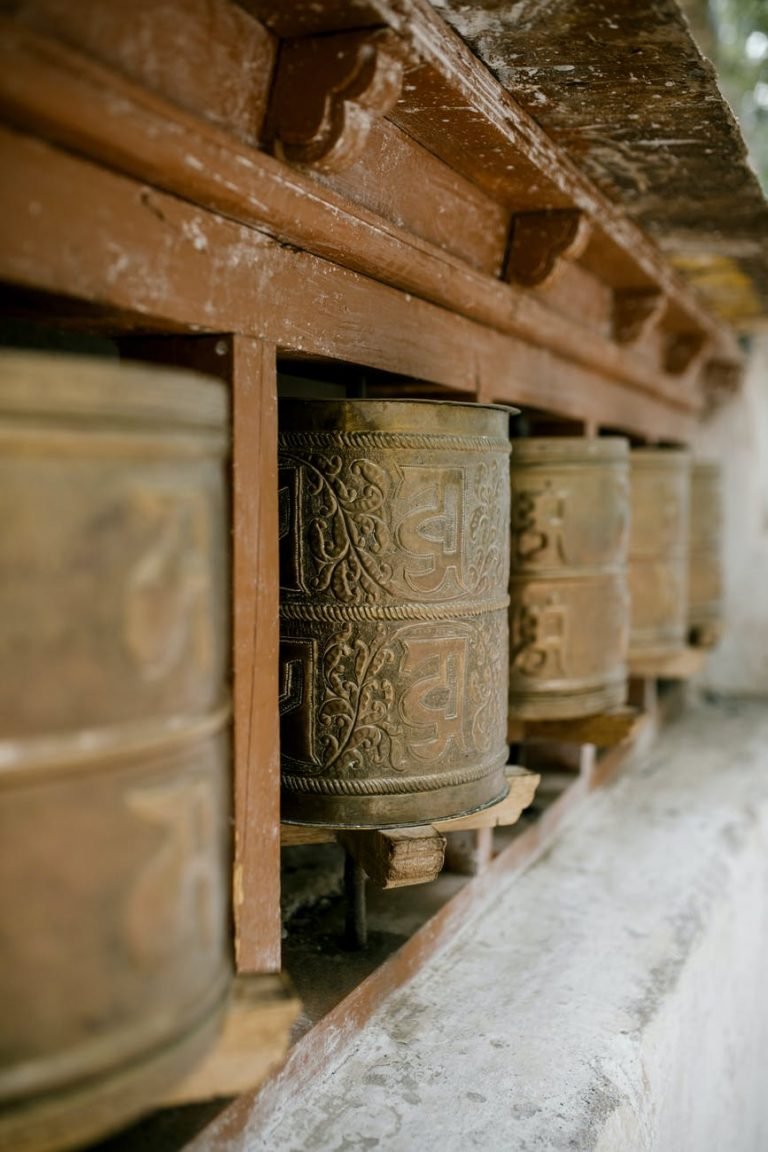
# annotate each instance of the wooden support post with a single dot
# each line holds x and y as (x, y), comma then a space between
(356, 921)
(249, 368)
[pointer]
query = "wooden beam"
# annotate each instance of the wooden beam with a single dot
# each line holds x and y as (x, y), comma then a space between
(397, 857)
(147, 260)
(49, 88)
(252, 1044)
(256, 641)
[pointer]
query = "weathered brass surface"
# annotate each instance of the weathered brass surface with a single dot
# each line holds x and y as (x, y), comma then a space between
(569, 605)
(658, 552)
(114, 741)
(394, 647)
(705, 573)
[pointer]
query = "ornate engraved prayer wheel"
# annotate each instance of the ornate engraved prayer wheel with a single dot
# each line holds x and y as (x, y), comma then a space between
(569, 605)
(705, 578)
(393, 568)
(114, 741)
(658, 553)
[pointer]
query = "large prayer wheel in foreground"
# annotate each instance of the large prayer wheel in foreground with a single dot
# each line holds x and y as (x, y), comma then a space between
(394, 562)
(114, 741)
(569, 608)
(658, 553)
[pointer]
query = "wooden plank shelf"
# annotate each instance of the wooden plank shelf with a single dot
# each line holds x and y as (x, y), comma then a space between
(401, 846)
(677, 666)
(253, 1041)
(605, 729)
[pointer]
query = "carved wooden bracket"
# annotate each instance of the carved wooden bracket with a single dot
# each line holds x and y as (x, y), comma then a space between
(635, 311)
(720, 379)
(328, 90)
(683, 348)
(538, 241)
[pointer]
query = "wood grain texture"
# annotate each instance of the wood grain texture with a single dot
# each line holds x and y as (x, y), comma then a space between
(396, 857)
(207, 56)
(256, 632)
(46, 87)
(151, 260)
(638, 109)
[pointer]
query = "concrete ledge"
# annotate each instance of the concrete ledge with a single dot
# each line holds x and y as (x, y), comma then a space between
(611, 998)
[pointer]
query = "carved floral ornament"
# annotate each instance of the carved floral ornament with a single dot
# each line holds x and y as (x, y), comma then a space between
(362, 529)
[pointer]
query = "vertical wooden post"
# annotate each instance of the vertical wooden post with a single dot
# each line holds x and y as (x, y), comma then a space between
(256, 882)
(249, 368)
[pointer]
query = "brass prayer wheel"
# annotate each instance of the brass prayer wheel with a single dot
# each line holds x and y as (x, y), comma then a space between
(705, 578)
(114, 741)
(658, 552)
(394, 562)
(569, 605)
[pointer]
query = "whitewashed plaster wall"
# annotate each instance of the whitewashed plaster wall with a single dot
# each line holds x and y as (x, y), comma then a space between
(737, 435)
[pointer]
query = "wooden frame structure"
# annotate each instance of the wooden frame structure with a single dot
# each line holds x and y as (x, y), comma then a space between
(222, 185)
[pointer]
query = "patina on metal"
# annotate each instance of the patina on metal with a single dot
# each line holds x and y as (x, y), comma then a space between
(658, 553)
(705, 569)
(394, 567)
(569, 603)
(114, 741)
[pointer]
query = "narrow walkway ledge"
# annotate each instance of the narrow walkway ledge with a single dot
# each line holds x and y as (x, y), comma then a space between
(610, 998)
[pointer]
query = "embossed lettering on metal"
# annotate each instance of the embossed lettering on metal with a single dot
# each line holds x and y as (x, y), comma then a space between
(658, 551)
(394, 562)
(568, 582)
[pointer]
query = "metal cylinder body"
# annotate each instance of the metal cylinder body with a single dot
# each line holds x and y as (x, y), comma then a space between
(114, 741)
(658, 552)
(569, 609)
(705, 576)
(394, 565)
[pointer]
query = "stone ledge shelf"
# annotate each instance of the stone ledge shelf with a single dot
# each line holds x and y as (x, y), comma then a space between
(610, 997)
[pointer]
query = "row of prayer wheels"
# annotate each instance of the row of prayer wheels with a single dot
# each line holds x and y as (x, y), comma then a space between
(401, 656)
(432, 587)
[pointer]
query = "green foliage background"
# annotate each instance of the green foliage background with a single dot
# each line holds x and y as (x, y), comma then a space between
(744, 81)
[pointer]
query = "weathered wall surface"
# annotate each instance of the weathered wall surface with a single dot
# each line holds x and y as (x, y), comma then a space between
(737, 435)
(611, 999)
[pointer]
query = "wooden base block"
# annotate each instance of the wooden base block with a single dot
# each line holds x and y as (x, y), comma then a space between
(253, 1041)
(677, 666)
(396, 857)
(522, 787)
(603, 730)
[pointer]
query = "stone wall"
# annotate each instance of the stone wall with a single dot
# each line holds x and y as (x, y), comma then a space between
(737, 435)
